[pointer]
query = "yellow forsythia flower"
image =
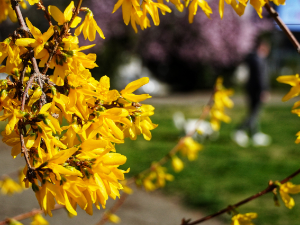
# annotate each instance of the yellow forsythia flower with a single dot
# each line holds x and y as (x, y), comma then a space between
(131, 87)
(156, 178)
(6, 10)
(22, 182)
(177, 164)
(35, 96)
(190, 148)
(148, 6)
(113, 218)
(221, 101)
(14, 222)
(239, 7)
(292, 80)
(39, 39)
(126, 189)
(32, 2)
(129, 8)
(89, 27)
(194, 7)
(243, 219)
(9, 186)
(38, 219)
(286, 189)
(14, 115)
(64, 17)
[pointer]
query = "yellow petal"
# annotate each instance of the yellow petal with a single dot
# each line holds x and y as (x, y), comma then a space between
(114, 159)
(117, 5)
(132, 86)
(126, 10)
(48, 34)
(69, 12)
(56, 14)
(25, 42)
(75, 22)
(35, 31)
(62, 156)
(221, 8)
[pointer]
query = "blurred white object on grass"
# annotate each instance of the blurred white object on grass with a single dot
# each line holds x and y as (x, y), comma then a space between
(203, 128)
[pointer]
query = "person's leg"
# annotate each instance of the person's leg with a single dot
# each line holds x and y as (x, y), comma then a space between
(254, 111)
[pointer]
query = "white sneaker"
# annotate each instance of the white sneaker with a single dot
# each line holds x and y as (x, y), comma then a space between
(241, 138)
(261, 140)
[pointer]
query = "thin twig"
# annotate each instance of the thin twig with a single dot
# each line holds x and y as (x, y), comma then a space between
(229, 208)
(29, 83)
(15, 6)
(77, 10)
(113, 209)
(47, 15)
(29, 214)
(283, 27)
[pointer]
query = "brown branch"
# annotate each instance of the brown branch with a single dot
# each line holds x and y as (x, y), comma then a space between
(15, 6)
(28, 214)
(229, 208)
(24, 27)
(113, 209)
(29, 83)
(24, 150)
(47, 15)
(283, 27)
(23, 73)
(77, 10)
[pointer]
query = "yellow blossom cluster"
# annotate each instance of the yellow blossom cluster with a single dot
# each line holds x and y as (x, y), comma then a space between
(6, 10)
(294, 81)
(137, 14)
(243, 219)
(8, 186)
(66, 124)
(38, 219)
(156, 178)
(286, 189)
(221, 101)
(189, 147)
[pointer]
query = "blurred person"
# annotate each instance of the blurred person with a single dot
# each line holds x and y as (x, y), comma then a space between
(257, 89)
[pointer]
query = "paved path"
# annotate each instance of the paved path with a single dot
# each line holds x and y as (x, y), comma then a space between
(141, 208)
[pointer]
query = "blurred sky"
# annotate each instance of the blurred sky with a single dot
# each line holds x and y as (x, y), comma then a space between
(290, 14)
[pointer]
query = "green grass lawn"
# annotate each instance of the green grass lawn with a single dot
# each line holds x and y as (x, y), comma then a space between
(224, 173)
